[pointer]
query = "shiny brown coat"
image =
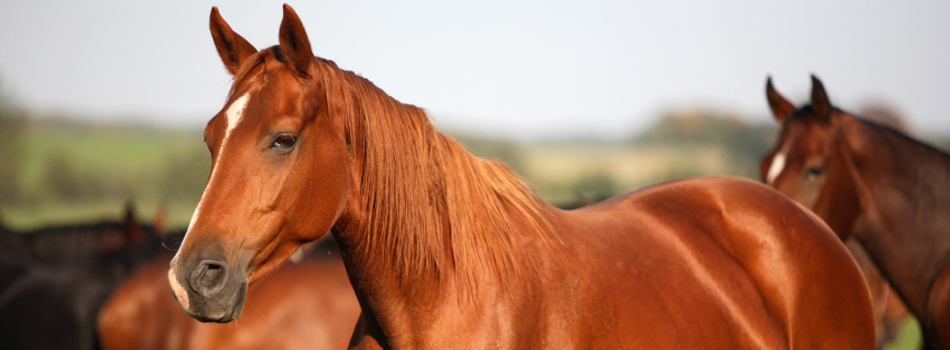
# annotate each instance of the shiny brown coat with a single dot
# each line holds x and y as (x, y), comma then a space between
(446, 250)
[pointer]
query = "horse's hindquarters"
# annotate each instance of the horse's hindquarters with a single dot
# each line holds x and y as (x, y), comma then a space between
(755, 255)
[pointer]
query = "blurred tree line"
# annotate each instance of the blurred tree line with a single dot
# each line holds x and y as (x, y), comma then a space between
(55, 169)
(67, 162)
(49, 163)
(681, 143)
(502, 150)
(742, 142)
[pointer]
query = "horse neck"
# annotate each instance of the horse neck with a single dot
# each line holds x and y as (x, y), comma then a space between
(428, 215)
(903, 187)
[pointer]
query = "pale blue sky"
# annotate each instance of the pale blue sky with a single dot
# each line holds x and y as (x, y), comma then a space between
(534, 69)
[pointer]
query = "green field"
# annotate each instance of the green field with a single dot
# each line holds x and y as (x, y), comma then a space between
(70, 172)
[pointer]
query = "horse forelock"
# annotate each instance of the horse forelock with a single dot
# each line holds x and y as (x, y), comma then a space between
(806, 112)
(430, 204)
(256, 60)
(245, 69)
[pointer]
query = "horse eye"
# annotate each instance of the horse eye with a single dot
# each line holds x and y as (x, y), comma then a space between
(284, 142)
(814, 172)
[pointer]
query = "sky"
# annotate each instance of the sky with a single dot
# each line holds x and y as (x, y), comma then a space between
(522, 69)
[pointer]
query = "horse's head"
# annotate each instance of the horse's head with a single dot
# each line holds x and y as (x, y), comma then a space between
(280, 173)
(809, 162)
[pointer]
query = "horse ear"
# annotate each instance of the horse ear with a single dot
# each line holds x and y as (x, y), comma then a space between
(781, 108)
(232, 48)
(819, 100)
(158, 221)
(294, 43)
(133, 231)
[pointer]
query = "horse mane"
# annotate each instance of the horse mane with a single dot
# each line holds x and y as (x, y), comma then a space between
(900, 135)
(434, 208)
(882, 129)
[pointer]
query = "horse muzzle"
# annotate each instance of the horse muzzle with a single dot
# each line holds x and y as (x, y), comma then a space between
(208, 289)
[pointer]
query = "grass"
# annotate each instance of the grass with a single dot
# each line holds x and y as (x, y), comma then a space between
(130, 150)
(909, 337)
(73, 172)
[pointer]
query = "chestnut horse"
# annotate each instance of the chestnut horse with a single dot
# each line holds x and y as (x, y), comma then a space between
(307, 305)
(446, 250)
(869, 181)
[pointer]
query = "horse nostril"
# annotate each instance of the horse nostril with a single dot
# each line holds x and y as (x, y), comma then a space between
(208, 278)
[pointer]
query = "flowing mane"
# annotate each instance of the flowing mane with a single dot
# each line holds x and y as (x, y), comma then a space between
(882, 129)
(901, 139)
(898, 142)
(431, 204)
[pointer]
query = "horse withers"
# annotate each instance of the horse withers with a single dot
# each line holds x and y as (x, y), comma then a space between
(447, 250)
(872, 182)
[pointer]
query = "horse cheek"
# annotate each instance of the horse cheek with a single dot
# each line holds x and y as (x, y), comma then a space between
(329, 181)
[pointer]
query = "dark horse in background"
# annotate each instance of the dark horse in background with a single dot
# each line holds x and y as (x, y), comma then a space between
(869, 181)
(52, 280)
(447, 250)
(78, 242)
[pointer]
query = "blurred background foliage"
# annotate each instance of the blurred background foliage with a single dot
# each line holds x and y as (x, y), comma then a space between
(54, 169)
(57, 170)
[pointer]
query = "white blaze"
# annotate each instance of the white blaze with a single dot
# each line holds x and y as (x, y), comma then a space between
(234, 115)
(778, 164)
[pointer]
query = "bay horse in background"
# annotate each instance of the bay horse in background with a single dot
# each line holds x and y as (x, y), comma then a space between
(447, 250)
(872, 182)
(305, 305)
(890, 313)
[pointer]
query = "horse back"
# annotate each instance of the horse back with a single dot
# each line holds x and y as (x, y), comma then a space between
(719, 251)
